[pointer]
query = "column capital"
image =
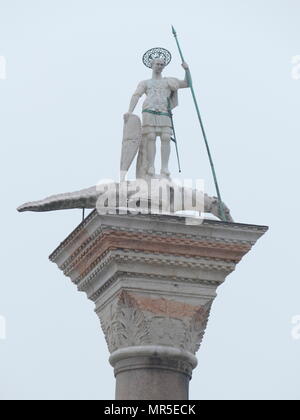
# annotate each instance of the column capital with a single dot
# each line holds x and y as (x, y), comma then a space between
(153, 280)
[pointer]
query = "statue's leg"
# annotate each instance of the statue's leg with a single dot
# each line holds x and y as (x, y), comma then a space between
(141, 162)
(165, 154)
(151, 149)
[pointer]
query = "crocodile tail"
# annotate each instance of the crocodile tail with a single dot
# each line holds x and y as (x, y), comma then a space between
(85, 198)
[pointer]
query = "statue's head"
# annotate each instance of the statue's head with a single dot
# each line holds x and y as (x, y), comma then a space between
(157, 59)
(158, 65)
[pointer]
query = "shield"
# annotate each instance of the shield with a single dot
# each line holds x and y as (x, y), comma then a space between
(132, 135)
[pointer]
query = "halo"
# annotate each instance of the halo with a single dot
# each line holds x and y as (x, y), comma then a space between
(154, 53)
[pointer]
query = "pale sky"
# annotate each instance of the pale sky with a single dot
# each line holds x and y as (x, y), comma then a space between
(71, 68)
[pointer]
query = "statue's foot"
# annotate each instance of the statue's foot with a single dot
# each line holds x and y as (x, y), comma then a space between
(165, 173)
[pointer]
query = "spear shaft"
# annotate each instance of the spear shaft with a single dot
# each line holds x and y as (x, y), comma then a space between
(189, 80)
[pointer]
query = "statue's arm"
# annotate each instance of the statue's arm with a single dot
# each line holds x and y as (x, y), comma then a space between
(133, 103)
(185, 83)
(141, 89)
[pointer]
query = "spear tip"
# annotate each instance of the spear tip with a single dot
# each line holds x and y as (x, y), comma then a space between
(173, 30)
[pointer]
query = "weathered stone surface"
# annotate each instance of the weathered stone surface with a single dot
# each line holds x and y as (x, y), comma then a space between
(138, 191)
(153, 280)
(152, 373)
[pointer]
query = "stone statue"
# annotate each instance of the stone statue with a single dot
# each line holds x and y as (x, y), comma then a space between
(161, 98)
(139, 138)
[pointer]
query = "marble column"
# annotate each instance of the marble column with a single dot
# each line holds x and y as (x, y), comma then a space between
(153, 279)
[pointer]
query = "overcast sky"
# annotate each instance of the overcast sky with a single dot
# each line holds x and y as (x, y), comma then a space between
(71, 68)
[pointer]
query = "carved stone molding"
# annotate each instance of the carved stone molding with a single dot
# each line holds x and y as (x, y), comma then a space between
(136, 320)
(159, 357)
(124, 324)
(153, 278)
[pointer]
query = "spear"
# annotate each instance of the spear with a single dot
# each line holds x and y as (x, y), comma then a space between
(189, 80)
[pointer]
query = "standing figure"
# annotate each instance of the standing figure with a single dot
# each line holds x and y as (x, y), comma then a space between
(161, 98)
